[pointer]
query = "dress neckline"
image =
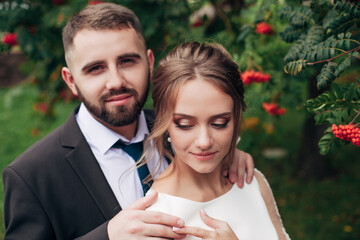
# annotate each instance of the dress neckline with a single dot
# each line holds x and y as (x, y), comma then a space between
(197, 202)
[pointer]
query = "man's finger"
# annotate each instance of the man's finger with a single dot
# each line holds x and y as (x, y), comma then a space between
(249, 168)
(156, 230)
(240, 174)
(232, 171)
(143, 203)
(153, 217)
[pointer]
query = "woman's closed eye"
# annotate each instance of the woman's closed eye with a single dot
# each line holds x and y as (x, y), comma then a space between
(183, 124)
(220, 122)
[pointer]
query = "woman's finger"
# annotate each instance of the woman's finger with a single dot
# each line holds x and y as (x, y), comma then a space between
(194, 231)
(212, 222)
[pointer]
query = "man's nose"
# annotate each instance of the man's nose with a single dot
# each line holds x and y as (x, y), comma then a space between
(115, 80)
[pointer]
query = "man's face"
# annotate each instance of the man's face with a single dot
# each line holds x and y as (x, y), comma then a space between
(109, 71)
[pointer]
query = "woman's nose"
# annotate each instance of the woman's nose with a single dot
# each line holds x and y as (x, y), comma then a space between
(204, 140)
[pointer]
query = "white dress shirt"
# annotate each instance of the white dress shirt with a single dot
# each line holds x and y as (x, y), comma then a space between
(117, 166)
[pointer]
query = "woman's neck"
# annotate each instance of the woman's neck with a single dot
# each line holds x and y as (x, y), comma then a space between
(183, 181)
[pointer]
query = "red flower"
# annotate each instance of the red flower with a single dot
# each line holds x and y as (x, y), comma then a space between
(91, 2)
(250, 76)
(10, 39)
(264, 28)
(273, 109)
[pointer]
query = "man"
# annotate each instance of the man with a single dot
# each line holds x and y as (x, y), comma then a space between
(74, 183)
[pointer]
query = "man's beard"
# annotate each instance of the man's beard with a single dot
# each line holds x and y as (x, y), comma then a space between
(121, 115)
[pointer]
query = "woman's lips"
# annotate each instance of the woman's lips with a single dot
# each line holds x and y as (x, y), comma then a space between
(204, 156)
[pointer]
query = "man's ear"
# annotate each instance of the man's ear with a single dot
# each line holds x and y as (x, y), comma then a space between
(69, 79)
(151, 60)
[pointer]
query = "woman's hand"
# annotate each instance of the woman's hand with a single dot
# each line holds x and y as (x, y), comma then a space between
(222, 230)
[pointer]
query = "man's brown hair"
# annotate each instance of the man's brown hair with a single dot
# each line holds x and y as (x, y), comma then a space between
(102, 16)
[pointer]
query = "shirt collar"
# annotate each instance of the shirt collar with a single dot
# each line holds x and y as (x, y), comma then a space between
(101, 137)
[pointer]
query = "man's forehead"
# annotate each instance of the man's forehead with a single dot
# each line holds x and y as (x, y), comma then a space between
(95, 45)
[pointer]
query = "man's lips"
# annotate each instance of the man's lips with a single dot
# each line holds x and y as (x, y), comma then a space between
(119, 99)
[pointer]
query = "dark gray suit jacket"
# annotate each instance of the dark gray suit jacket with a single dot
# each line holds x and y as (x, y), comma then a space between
(56, 190)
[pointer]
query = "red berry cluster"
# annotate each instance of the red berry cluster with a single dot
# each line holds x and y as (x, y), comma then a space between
(264, 28)
(273, 109)
(348, 132)
(10, 39)
(250, 76)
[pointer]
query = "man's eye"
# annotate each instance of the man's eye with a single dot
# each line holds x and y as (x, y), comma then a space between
(95, 69)
(126, 61)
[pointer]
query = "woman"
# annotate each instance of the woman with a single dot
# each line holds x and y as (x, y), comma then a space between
(199, 99)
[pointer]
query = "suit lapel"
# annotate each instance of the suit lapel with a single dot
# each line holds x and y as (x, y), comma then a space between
(87, 168)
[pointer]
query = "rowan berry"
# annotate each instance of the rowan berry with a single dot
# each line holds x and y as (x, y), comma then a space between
(10, 39)
(348, 132)
(250, 76)
(264, 28)
(273, 109)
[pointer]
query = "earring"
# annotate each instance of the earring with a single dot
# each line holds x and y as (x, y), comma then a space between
(169, 139)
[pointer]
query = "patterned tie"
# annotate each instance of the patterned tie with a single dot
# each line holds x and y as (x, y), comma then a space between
(135, 150)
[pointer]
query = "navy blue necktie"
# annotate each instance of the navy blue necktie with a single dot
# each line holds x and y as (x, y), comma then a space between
(135, 150)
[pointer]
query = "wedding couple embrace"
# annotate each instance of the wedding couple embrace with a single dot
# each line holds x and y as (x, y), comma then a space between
(82, 182)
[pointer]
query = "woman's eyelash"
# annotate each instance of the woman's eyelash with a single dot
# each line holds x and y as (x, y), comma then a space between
(184, 127)
(221, 125)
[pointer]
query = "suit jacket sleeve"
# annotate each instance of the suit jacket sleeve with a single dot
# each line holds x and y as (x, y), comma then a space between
(25, 217)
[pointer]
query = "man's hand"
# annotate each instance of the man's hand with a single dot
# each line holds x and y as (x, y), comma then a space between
(242, 162)
(135, 223)
(222, 230)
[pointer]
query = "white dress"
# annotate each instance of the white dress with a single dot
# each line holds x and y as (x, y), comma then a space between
(242, 208)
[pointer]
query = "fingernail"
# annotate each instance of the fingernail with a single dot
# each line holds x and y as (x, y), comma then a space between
(176, 229)
(248, 180)
(180, 222)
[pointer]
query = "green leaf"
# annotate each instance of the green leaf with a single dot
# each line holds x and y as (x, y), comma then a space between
(326, 76)
(294, 67)
(337, 91)
(326, 142)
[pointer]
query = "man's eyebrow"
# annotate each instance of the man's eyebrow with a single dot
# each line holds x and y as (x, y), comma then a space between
(129, 55)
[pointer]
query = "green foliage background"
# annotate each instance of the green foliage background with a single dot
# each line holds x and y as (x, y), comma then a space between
(311, 40)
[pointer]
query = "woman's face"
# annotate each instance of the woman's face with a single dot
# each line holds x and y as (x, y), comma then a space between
(202, 126)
